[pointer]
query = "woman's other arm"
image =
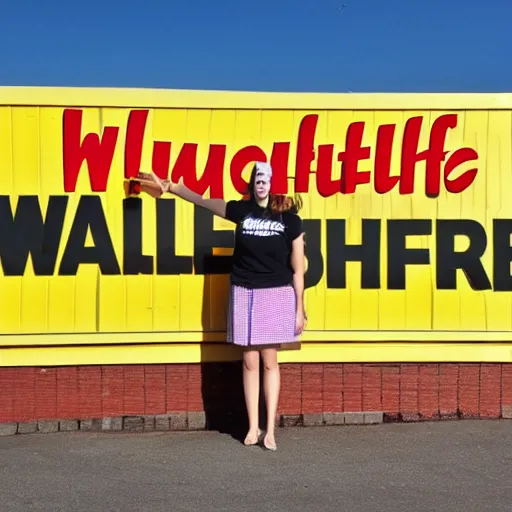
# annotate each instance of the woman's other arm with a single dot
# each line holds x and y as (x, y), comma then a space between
(299, 265)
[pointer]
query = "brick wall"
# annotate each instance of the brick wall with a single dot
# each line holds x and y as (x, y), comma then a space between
(213, 391)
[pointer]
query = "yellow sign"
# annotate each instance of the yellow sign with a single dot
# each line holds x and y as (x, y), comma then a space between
(407, 213)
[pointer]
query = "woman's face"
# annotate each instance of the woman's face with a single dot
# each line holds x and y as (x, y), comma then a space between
(261, 186)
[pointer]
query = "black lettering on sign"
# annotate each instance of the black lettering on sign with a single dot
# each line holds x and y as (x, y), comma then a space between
(448, 261)
(167, 263)
(502, 229)
(26, 232)
(205, 240)
(134, 261)
(89, 216)
(313, 253)
(398, 254)
(339, 253)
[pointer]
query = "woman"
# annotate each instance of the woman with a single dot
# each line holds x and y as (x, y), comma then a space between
(266, 305)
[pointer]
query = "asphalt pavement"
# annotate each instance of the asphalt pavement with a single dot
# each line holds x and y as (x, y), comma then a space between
(439, 466)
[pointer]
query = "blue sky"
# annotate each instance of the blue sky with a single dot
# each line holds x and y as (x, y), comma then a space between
(271, 45)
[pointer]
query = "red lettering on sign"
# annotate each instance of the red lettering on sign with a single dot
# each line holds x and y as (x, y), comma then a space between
(99, 154)
(465, 180)
(353, 154)
(242, 158)
(134, 142)
(325, 184)
(433, 155)
(212, 177)
(279, 162)
(305, 153)
(161, 158)
(384, 182)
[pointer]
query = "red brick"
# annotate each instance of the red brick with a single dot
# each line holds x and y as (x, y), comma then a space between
(506, 384)
(112, 395)
(490, 390)
(409, 379)
(333, 388)
(312, 388)
(290, 401)
(448, 389)
(89, 388)
(68, 400)
(46, 393)
(353, 387)
(7, 394)
(28, 394)
(372, 388)
(195, 397)
(391, 390)
(155, 387)
(134, 390)
(428, 391)
(177, 385)
(469, 387)
(24, 394)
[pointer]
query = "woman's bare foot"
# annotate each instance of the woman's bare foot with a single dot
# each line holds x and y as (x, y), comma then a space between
(252, 438)
(269, 442)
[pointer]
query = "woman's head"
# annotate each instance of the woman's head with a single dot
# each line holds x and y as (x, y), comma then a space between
(259, 191)
(259, 184)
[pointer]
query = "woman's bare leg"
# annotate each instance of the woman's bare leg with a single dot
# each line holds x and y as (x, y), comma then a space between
(251, 377)
(271, 385)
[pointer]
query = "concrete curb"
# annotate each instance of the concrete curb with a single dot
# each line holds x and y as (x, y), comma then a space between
(196, 420)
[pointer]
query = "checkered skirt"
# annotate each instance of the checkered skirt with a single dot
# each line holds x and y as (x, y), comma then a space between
(261, 316)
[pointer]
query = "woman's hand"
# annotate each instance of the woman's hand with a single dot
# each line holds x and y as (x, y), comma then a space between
(301, 321)
(163, 185)
(151, 180)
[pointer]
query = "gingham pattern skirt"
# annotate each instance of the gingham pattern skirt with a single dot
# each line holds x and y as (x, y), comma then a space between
(261, 316)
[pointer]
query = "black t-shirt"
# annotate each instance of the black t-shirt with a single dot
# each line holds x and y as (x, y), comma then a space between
(263, 243)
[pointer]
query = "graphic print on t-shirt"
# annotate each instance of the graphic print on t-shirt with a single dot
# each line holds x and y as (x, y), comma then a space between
(262, 227)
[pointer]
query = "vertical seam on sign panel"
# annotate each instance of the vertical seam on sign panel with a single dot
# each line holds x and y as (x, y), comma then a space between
(11, 122)
(38, 113)
(125, 285)
(208, 278)
(11, 118)
(434, 266)
(459, 295)
(379, 290)
(39, 189)
(179, 205)
(98, 273)
(485, 192)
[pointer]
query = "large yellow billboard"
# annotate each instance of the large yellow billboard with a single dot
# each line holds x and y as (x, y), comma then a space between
(407, 212)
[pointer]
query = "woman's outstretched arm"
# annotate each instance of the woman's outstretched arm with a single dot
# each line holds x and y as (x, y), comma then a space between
(156, 187)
